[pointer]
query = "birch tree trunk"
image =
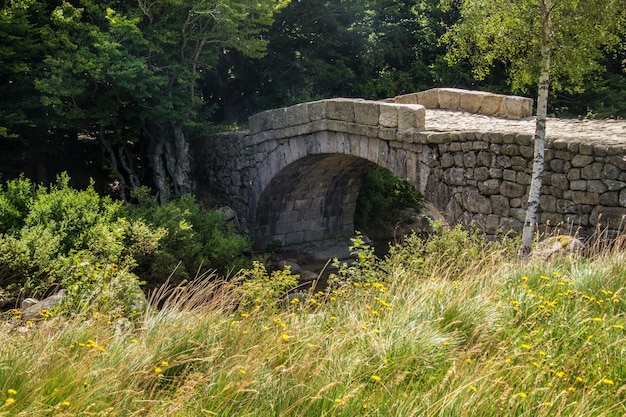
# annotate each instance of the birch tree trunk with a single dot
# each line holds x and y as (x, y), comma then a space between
(530, 221)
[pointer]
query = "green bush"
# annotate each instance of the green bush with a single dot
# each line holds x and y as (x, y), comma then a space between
(58, 237)
(98, 249)
(197, 239)
(384, 200)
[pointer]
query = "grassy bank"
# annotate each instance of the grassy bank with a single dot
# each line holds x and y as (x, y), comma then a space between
(456, 327)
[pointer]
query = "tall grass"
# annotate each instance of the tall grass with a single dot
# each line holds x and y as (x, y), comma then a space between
(455, 327)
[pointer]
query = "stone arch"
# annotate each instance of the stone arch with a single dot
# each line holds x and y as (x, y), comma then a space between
(307, 186)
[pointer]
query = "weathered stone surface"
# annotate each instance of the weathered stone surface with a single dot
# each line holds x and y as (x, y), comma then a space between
(388, 115)
(474, 202)
(449, 98)
(512, 189)
(411, 116)
(561, 245)
(34, 311)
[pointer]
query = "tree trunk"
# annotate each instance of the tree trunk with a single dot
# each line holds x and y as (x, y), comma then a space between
(182, 174)
(540, 133)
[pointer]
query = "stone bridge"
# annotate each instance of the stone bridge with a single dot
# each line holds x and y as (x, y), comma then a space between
(295, 175)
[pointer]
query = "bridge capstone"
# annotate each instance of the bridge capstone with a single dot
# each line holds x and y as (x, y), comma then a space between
(295, 175)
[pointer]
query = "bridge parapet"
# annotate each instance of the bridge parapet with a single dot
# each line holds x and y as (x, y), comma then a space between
(374, 119)
(478, 102)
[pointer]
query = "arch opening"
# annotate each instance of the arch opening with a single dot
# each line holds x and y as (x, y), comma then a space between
(311, 199)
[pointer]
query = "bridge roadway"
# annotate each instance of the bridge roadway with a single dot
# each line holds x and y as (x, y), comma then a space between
(295, 175)
(610, 133)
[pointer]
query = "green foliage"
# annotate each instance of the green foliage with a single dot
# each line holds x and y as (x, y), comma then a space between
(362, 270)
(496, 337)
(75, 240)
(384, 201)
(450, 250)
(196, 239)
(262, 290)
(509, 33)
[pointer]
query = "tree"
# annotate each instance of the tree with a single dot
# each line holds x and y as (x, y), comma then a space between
(541, 42)
(328, 48)
(127, 72)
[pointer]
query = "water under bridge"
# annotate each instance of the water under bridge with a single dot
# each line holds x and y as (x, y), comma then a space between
(295, 174)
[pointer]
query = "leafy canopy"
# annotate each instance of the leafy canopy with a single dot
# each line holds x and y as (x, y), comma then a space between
(508, 32)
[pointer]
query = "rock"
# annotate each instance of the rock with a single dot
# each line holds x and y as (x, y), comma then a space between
(294, 267)
(308, 276)
(34, 311)
(229, 213)
(561, 245)
(28, 302)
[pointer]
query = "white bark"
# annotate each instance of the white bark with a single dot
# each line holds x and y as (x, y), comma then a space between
(530, 221)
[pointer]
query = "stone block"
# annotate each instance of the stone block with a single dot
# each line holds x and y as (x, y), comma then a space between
(489, 187)
(388, 115)
(367, 113)
(481, 174)
(512, 189)
(471, 101)
(611, 217)
(579, 161)
(547, 203)
(474, 202)
(428, 98)
(492, 104)
(508, 224)
(596, 186)
(610, 199)
(565, 206)
(583, 197)
(613, 185)
(298, 114)
(515, 107)
(449, 98)
(411, 116)
(340, 109)
(407, 99)
(317, 110)
(500, 205)
(592, 171)
(455, 176)
(611, 172)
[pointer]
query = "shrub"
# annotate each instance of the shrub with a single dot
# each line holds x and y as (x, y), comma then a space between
(76, 240)
(196, 239)
(384, 200)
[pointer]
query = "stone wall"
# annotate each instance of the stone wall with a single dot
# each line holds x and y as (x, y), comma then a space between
(295, 175)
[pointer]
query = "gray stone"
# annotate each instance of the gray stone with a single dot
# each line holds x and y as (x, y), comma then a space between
(512, 189)
(557, 246)
(47, 304)
(474, 202)
(489, 187)
(500, 205)
(579, 161)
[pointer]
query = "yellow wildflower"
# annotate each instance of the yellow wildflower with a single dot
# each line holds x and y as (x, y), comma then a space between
(9, 400)
(375, 378)
(11, 391)
(608, 382)
(242, 371)
(65, 403)
(522, 395)
(158, 370)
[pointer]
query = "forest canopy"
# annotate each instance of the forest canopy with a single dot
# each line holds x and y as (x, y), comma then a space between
(119, 89)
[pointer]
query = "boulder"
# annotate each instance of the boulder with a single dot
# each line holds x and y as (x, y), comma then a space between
(34, 311)
(561, 245)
